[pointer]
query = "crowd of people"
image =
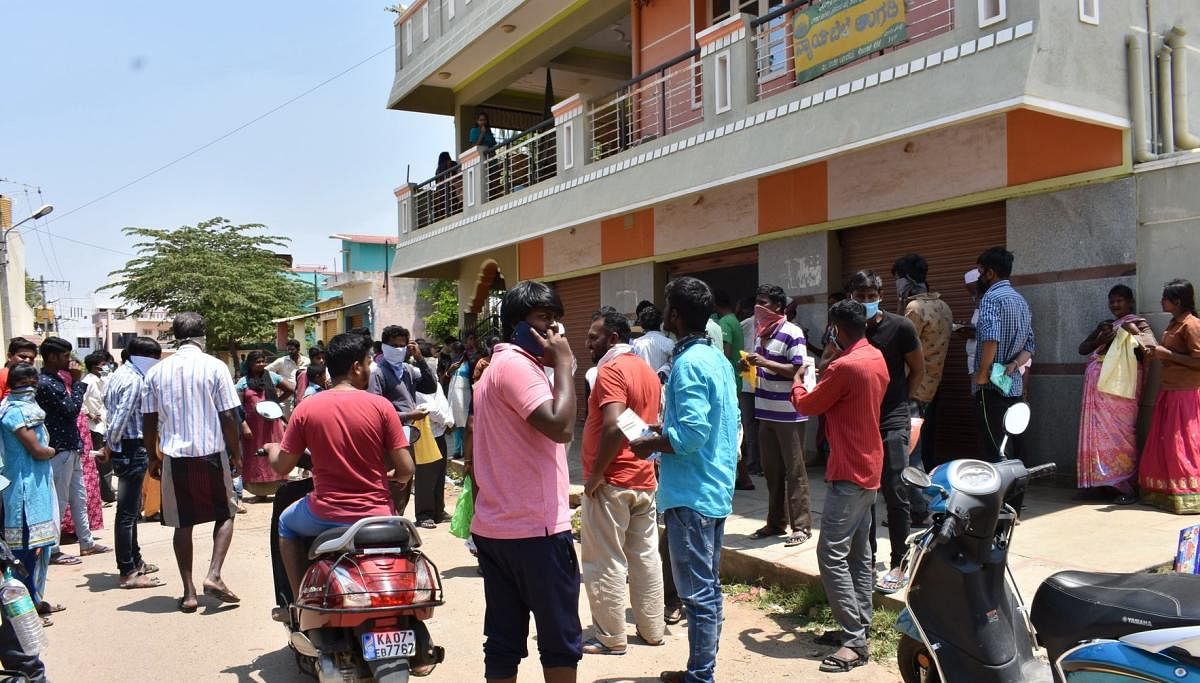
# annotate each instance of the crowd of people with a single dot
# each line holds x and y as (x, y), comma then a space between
(678, 417)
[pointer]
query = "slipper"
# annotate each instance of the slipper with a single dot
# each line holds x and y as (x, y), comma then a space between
(47, 622)
(647, 641)
(142, 581)
(595, 647)
(836, 665)
(63, 558)
(427, 524)
(148, 568)
(94, 549)
(673, 615)
(891, 582)
(831, 638)
(797, 538)
(765, 532)
(185, 608)
(222, 594)
(45, 608)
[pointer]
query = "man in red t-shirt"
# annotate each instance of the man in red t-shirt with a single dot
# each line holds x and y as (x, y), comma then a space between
(620, 535)
(20, 350)
(354, 438)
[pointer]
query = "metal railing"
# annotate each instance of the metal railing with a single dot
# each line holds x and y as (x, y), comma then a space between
(439, 197)
(774, 39)
(658, 102)
(523, 160)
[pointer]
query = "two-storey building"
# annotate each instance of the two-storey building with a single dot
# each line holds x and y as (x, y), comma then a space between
(753, 141)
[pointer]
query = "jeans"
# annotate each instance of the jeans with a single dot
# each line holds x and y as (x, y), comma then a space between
(895, 492)
(844, 558)
(922, 454)
(750, 461)
(67, 468)
(130, 467)
(781, 449)
(107, 494)
(695, 542)
(620, 561)
(670, 595)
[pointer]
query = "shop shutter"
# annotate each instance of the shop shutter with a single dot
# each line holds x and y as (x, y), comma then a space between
(581, 298)
(950, 241)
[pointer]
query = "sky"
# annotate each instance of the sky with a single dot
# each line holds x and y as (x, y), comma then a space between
(99, 94)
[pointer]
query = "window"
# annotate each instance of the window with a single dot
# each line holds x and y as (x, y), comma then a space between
(1089, 11)
(721, 84)
(449, 9)
(992, 12)
(425, 22)
(83, 342)
(568, 145)
(404, 226)
(408, 38)
(720, 10)
(123, 339)
(471, 185)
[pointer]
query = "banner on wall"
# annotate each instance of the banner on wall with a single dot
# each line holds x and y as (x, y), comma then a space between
(837, 32)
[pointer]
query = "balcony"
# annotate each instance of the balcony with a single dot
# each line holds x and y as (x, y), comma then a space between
(764, 94)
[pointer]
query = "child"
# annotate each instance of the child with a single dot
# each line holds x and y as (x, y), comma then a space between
(318, 380)
(30, 526)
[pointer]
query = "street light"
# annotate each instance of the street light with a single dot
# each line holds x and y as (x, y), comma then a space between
(5, 304)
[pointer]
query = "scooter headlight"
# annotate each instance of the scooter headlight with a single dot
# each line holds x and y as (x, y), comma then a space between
(974, 477)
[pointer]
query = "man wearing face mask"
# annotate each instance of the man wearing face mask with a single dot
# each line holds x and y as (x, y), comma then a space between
(126, 449)
(897, 340)
(398, 377)
(1004, 335)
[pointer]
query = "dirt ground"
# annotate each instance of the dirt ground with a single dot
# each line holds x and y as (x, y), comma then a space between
(109, 634)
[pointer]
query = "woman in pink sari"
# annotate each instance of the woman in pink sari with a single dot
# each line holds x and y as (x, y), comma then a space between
(1108, 424)
(257, 385)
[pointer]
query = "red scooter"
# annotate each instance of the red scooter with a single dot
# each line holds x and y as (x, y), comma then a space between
(363, 601)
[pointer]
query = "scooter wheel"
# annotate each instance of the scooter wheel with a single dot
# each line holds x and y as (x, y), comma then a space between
(915, 662)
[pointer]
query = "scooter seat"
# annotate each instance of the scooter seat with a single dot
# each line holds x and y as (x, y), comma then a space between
(1071, 607)
(372, 532)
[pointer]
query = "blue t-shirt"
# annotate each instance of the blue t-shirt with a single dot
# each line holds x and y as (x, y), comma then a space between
(275, 380)
(701, 418)
(28, 500)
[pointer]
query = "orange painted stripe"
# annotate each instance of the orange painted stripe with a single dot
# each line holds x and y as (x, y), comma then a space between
(1042, 146)
(793, 198)
(531, 259)
(628, 237)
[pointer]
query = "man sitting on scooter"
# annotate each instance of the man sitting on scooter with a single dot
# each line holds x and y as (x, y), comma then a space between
(354, 438)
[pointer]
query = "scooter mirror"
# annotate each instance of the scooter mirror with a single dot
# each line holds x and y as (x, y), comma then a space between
(413, 434)
(916, 477)
(1016, 418)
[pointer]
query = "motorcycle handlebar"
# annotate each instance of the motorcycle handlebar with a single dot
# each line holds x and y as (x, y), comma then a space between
(1042, 470)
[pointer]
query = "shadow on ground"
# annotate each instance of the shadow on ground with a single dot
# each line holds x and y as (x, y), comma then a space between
(270, 667)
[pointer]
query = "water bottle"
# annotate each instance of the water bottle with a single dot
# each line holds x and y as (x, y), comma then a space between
(20, 610)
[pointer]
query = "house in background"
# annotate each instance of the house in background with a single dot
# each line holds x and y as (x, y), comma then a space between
(115, 327)
(22, 314)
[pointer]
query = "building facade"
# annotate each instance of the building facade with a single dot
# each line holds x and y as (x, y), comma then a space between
(21, 314)
(757, 141)
(117, 322)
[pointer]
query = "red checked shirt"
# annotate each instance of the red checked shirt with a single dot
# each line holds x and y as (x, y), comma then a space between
(849, 395)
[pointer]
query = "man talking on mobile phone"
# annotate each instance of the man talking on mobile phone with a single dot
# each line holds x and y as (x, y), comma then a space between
(398, 377)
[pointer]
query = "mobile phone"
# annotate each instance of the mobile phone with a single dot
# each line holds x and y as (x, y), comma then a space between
(523, 336)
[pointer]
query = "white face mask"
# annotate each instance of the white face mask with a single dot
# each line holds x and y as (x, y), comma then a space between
(394, 354)
(143, 363)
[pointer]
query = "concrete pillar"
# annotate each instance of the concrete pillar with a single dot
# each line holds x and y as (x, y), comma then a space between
(623, 288)
(727, 53)
(571, 135)
(474, 182)
(808, 267)
(406, 209)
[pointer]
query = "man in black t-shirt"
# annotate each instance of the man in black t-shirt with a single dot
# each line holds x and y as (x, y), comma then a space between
(897, 339)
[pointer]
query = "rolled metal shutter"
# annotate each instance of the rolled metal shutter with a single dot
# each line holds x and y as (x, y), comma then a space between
(581, 298)
(950, 241)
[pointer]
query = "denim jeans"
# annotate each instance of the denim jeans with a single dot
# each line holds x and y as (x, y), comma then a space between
(695, 542)
(67, 468)
(130, 467)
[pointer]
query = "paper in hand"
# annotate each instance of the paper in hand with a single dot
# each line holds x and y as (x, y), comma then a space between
(631, 425)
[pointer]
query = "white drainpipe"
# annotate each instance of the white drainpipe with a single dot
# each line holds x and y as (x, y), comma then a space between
(1184, 138)
(1137, 101)
(1166, 127)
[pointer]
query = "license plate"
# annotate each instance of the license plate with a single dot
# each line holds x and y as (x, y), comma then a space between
(389, 644)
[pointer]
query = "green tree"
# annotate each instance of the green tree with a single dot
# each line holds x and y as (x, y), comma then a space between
(443, 321)
(227, 273)
(33, 292)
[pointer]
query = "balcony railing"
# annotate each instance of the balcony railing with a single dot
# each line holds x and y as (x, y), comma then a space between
(439, 197)
(523, 160)
(659, 102)
(775, 42)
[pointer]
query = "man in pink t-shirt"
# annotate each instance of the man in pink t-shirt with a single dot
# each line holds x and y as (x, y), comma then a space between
(522, 523)
(354, 438)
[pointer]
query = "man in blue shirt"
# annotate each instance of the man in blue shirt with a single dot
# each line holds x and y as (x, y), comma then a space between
(1004, 335)
(698, 443)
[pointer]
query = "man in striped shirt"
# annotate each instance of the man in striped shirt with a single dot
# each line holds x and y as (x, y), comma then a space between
(191, 428)
(126, 449)
(780, 355)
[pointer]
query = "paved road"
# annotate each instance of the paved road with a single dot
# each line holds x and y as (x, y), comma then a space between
(109, 634)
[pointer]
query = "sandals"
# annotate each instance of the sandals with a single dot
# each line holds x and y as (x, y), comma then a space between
(893, 581)
(148, 568)
(94, 549)
(221, 593)
(673, 615)
(137, 580)
(765, 532)
(796, 538)
(45, 608)
(427, 524)
(595, 647)
(63, 558)
(186, 609)
(837, 665)
(649, 642)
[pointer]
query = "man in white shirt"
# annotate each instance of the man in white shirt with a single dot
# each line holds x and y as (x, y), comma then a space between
(654, 347)
(97, 418)
(286, 366)
(191, 430)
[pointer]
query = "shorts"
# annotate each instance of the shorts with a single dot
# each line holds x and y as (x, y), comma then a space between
(298, 521)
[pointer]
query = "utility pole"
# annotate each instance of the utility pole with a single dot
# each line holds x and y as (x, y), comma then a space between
(51, 321)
